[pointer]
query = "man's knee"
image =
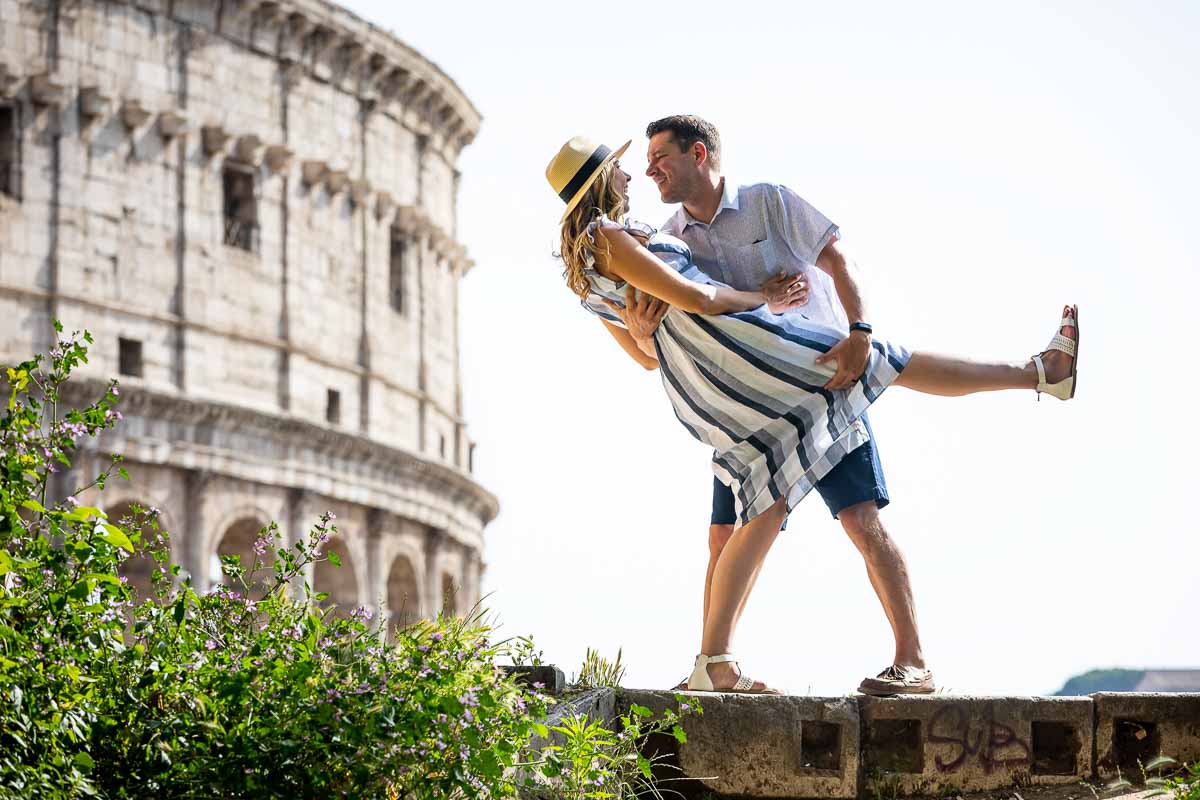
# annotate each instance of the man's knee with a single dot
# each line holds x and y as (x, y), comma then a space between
(863, 525)
(718, 537)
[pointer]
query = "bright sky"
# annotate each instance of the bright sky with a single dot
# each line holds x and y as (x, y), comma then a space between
(986, 164)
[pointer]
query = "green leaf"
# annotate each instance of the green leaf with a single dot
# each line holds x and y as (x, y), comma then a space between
(333, 559)
(5, 562)
(116, 537)
(1158, 762)
(541, 730)
(34, 505)
(641, 711)
(84, 762)
(680, 736)
(84, 512)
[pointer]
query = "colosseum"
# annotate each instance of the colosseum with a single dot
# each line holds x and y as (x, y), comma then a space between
(251, 205)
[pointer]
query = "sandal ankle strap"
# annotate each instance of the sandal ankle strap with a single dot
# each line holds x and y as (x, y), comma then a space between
(717, 659)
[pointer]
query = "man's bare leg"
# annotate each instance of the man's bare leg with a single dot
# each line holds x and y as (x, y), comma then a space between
(888, 574)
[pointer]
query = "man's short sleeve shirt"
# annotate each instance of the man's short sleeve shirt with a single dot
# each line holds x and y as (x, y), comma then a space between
(761, 230)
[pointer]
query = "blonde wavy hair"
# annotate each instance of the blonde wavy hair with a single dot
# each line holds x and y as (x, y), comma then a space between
(601, 197)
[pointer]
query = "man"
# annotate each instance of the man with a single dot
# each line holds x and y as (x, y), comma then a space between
(765, 236)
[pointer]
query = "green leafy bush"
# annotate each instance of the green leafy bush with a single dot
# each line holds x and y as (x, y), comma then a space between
(244, 691)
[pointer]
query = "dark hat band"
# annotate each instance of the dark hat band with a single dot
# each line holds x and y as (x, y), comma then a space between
(581, 176)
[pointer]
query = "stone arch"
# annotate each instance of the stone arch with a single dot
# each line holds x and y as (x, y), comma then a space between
(243, 510)
(403, 593)
(237, 539)
(137, 568)
(341, 583)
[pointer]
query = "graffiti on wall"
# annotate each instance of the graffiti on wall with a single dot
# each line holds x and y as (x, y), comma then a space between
(994, 744)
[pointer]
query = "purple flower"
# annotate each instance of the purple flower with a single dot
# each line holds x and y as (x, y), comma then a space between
(211, 644)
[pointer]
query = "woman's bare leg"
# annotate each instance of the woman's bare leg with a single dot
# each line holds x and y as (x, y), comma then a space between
(952, 376)
(734, 576)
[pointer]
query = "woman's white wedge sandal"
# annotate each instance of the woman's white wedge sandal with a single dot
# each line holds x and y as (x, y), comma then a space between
(1064, 389)
(701, 682)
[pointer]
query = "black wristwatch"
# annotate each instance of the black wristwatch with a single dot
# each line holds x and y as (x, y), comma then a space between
(865, 327)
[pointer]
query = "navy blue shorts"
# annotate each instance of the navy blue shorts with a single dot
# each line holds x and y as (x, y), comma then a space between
(857, 478)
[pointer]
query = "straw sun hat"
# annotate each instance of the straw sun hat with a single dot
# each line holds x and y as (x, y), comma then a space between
(576, 166)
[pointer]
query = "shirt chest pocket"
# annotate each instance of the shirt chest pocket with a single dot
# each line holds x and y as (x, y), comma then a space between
(754, 263)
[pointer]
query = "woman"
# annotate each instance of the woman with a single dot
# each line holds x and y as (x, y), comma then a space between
(747, 382)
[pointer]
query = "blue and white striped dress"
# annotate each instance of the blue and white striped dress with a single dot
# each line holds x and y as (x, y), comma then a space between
(746, 385)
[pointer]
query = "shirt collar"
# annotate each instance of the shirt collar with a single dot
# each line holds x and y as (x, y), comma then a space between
(729, 199)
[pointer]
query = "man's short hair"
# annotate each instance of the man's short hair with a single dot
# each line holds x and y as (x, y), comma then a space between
(687, 129)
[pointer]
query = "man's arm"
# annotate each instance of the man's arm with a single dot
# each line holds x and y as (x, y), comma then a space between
(852, 353)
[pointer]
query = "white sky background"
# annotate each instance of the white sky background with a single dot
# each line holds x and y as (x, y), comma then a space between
(986, 165)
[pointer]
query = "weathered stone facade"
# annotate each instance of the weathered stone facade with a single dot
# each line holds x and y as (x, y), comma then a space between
(251, 205)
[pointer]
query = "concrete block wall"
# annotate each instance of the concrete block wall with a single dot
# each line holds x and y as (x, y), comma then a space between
(757, 746)
(985, 742)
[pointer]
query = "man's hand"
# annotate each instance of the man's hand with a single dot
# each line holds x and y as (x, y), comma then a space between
(641, 314)
(785, 292)
(851, 355)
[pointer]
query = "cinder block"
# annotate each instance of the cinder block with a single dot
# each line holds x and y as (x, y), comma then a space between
(934, 745)
(1137, 726)
(551, 678)
(761, 746)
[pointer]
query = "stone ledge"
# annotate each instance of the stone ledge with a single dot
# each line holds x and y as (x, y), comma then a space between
(747, 746)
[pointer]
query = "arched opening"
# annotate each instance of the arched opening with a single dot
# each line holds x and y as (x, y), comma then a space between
(137, 568)
(451, 596)
(403, 595)
(339, 582)
(239, 540)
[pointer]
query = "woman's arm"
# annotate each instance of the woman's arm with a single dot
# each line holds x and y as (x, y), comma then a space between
(637, 265)
(630, 346)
